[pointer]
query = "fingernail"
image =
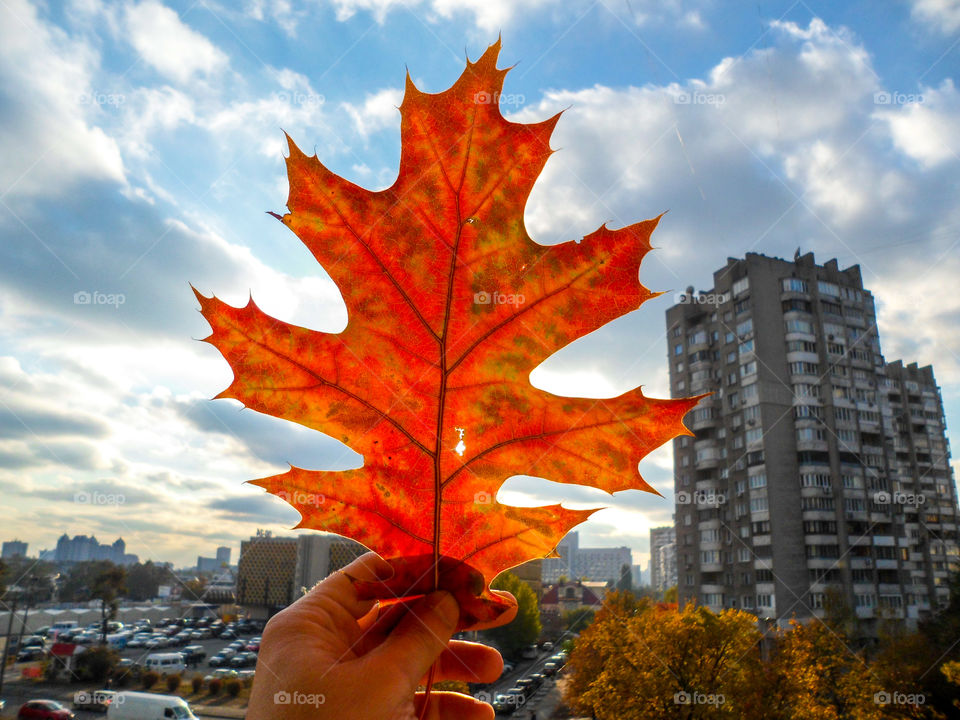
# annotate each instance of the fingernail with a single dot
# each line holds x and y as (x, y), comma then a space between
(445, 605)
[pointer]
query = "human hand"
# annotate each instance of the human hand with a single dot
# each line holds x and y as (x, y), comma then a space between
(332, 655)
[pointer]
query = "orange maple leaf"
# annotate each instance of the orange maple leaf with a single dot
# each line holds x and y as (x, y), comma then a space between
(451, 305)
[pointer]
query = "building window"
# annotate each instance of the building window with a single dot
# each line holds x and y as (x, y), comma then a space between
(758, 481)
(828, 288)
(792, 284)
(678, 349)
(801, 326)
(740, 286)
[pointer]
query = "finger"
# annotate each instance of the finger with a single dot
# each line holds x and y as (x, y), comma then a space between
(468, 662)
(453, 706)
(339, 586)
(418, 639)
(507, 616)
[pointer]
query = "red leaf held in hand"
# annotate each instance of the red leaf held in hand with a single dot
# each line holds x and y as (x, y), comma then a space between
(451, 305)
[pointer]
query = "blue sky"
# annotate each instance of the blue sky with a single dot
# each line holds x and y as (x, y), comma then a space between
(142, 147)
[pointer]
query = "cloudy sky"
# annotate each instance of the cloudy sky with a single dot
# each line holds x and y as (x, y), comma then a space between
(141, 144)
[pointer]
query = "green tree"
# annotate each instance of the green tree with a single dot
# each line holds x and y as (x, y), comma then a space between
(107, 587)
(525, 628)
(670, 594)
(625, 582)
(96, 664)
(145, 579)
(578, 619)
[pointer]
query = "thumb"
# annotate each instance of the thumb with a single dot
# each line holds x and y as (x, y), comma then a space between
(418, 639)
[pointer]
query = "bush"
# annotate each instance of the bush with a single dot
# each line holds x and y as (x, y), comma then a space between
(173, 683)
(96, 664)
(150, 678)
(215, 686)
(197, 683)
(233, 687)
(122, 680)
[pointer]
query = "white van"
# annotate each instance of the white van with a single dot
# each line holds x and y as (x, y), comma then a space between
(165, 663)
(59, 627)
(148, 706)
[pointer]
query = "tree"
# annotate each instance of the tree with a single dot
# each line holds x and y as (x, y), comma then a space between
(625, 583)
(144, 580)
(96, 664)
(108, 585)
(577, 620)
(525, 628)
(670, 594)
(194, 588)
(641, 660)
(822, 677)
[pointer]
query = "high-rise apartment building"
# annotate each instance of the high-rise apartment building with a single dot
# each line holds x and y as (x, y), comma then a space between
(602, 564)
(663, 558)
(816, 469)
(555, 568)
(12, 549)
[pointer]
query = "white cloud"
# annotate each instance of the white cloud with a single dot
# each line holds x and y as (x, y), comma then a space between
(488, 15)
(170, 46)
(928, 130)
(48, 135)
(378, 111)
(940, 15)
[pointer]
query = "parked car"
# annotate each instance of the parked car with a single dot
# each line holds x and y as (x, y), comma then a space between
(509, 701)
(253, 645)
(31, 654)
(529, 652)
(243, 660)
(165, 663)
(138, 641)
(156, 641)
(97, 701)
(218, 660)
(193, 654)
(221, 673)
(44, 710)
(33, 641)
(148, 706)
(227, 634)
(550, 668)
